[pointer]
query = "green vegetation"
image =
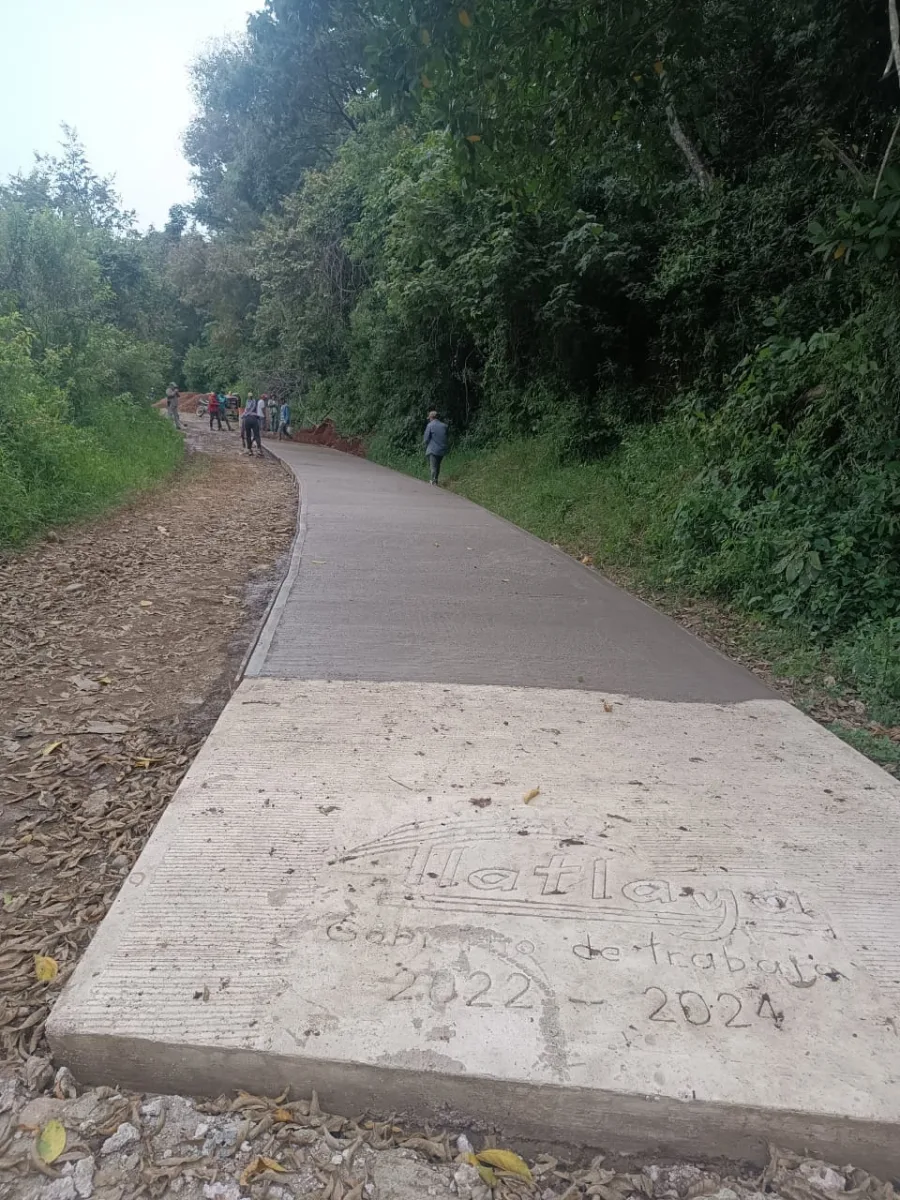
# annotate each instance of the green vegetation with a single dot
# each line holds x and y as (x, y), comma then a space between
(645, 258)
(90, 332)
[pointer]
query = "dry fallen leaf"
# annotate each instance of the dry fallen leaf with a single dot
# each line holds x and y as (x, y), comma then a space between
(607, 707)
(105, 727)
(283, 1114)
(258, 1166)
(507, 1161)
(49, 748)
(532, 795)
(84, 684)
(144, 763)
(52, 1141)
(486, 1173)
(45, 968)
(105, 680)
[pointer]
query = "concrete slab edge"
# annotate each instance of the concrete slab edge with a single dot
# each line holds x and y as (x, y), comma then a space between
(255, 656)
(546, 1116)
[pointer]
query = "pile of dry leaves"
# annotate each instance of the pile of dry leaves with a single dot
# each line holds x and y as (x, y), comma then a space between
(122, 639)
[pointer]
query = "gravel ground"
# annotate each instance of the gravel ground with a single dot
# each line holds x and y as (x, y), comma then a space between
(120, 1146)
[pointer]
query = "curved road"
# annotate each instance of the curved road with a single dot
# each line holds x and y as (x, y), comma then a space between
(481, 838)
(403, 581)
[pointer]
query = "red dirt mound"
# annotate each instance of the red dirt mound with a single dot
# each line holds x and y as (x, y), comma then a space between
(325, 434)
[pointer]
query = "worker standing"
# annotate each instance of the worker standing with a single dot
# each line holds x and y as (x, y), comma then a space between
(223, 410)
(253, 414)
(284, 421)
(172, 398)
(212, 407)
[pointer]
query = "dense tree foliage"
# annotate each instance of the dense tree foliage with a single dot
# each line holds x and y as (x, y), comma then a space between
(91, 327)
(567, 220)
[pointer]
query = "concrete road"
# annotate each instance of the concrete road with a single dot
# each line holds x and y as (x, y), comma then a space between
(484, 839)
(400, 581)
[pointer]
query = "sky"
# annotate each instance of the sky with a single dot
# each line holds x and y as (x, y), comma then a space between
(116, 70)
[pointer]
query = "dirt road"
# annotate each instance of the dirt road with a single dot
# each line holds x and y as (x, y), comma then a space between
(123, 637)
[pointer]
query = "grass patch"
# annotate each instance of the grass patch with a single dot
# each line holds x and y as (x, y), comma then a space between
(877, 746)
(53, 472)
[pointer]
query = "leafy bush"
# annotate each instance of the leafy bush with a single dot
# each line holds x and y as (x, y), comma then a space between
(53, 471)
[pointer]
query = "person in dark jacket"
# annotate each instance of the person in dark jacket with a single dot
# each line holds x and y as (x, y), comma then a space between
(436, 442)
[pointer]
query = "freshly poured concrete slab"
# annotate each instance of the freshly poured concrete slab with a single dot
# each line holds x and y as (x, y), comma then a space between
(402, 581)
(689, 938)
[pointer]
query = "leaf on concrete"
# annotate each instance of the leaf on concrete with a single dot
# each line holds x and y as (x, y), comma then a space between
(607, 707)
(45, 968)
(52, 1141)
(507, 1161)
(532, 795)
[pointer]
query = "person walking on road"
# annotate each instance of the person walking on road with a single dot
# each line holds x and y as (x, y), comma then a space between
(253, 413)
(436, 442)
(212, 407)
(172, 398)
(284, 421)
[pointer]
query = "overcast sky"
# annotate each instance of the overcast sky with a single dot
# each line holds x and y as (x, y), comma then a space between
(118, 71)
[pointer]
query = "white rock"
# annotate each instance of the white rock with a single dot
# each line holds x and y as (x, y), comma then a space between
(468, 1183)
(84, 1178)
(60, 1189)
(201, 1131)
(337, 1159)
(222, 1190)
(64, 1084)
(126, 1135)
(823, 1176)
(463, 1145)
(153, 1108)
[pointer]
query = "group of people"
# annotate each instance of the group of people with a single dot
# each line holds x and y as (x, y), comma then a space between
(258, 413)
(261, 412)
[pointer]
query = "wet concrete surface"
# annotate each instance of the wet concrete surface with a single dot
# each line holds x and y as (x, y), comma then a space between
(399, 581)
